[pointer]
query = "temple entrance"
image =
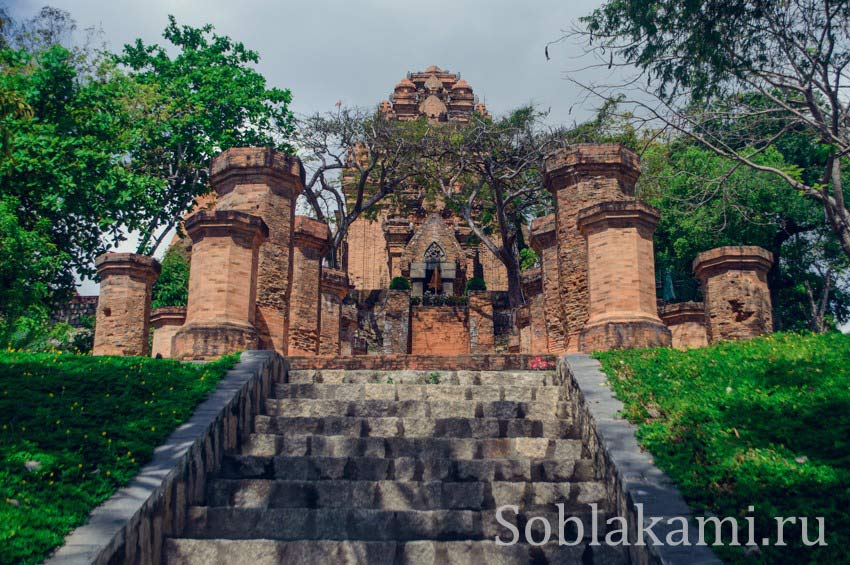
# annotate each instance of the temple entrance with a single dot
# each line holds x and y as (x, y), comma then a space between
(434, 275)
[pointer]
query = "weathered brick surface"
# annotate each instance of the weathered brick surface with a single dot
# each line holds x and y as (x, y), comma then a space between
(499, 362)
(579, 176)
(264, 182)
(124, 307)
(166, 321)
(439, 330)
(686, 321)
(532, 288)
(335, 288)
(621, 277)
(311, 241)
(734, 287)
(544, 241)
(396, 322)
(366, 254)
(481, 332)
(222, 284)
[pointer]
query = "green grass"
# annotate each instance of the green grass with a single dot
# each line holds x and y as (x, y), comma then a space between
(90, 423)
(763, 423)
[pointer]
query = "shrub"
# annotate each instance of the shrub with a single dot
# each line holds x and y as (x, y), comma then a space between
(475, 283)
(399, 283)
(762, 423)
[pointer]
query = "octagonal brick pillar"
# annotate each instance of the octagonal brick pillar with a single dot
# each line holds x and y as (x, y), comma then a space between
(579, 176)
(265, 182)
(124, 306)
(311, 242)
(735, 291)
(335, 287)
(166, 321)
(621, 277)
(221, 309)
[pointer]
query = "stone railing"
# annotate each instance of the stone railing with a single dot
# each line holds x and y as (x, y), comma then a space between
(131, 526)
(633, 480)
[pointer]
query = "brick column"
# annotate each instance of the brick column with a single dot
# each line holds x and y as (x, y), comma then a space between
(580, 176)
(621, 277)
(222, 285)
(311, 242)
(335, 288)
(397, 234)
(396, 322)
(532, 289)
(166, 321)
(686, 321)
(734, 287)
(545, 243)
(520, 342)
(265, 182)
(482, 338)
(348, 330)
(124, 306)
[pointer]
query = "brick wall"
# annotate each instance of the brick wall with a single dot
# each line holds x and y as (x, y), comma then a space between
(366, 255)
(439, 330)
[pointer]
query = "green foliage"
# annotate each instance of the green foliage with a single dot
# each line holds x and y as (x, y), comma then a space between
(172, 286)
(203, 99)
(763, 422)
(476, 283)
(90, 423)
(528, 259)
(400, 283)
(36, 333)
(434, 378)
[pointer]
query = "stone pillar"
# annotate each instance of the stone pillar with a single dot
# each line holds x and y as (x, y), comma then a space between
(686, 321)
(532, 289)
(621, 277)
(580, 176)
(348, 340)
(545, 243)
(265, 182)
(166, 321)
(124, 307)
(397, 234)
(734, 287)
(482, 338)
(520, 341)
(397, 322)
(222, 285)
(311, 242)
(335, 288)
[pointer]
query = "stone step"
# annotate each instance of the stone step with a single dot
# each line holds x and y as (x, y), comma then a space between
(292, 407)
(427, 447)
(442, 392)
(517, 469)
(401, 495)
(375, 525)
(272, 552)
(415, 427)
(339, 376)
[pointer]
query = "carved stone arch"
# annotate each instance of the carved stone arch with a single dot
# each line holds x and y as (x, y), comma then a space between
(434, 253)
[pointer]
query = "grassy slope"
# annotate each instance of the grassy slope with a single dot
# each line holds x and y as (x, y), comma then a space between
(763, 423)
(90, 422)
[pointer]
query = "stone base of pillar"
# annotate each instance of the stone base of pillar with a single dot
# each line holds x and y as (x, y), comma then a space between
(202, 342)
(624, 334)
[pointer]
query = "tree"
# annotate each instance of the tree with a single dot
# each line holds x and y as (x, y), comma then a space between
(205, 99)
(357, 160)
(739, 77)
(490, 173)
(64, 178)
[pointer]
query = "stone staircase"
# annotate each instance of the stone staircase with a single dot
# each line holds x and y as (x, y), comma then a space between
(369, 466)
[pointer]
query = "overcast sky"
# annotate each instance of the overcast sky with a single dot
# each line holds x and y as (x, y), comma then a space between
(330, 50)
